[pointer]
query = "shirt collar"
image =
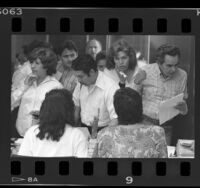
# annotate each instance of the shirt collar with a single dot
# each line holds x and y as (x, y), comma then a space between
(159, 72)
(47, 79)
(99, 82)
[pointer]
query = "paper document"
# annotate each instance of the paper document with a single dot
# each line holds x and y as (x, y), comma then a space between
(184, 148)
(167, 110)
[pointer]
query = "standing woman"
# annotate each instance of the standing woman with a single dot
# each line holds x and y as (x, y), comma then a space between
(122, 64)
(30, 95)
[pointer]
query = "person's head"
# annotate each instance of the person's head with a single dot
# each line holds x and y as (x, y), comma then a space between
(168, 58)
(85, 68)
(93, 47)
(27, 49)
(67, 53)
(43, 62)
(101, 61)
(56, 111)
(20, 58)
(128, 106)
(121, 56)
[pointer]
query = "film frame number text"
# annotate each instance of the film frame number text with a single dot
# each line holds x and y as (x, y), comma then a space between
(11, 11)
(129, 180)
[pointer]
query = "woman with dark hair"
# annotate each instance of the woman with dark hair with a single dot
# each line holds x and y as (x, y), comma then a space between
(30, 95)
(131, 138)
(55, 135)
(122, 64)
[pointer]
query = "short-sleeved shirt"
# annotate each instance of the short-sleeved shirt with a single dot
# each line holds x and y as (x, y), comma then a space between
(100, 95)
(31, 100)
(72, 143)
(155, 88)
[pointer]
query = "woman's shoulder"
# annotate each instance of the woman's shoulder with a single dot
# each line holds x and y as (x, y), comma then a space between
(32, 131)
(53, 81)
(126, 129)
(77, 132)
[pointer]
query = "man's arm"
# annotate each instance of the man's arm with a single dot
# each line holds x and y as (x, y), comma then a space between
(76, 99)
(182, 106)
(109, 97)
(138, 79)
(77, 115)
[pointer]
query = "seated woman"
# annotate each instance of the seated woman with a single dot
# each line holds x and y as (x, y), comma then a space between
(131, 138)
(55, 135)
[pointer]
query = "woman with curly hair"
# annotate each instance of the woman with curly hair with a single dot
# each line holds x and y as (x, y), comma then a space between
(32, 92)
(55, 135)
(122, 64)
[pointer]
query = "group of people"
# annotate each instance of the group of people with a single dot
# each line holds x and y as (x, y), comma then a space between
(58, 91)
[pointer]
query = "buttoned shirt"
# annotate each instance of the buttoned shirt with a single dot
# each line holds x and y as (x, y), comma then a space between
(30, 100)
(155, 88)
(97, 96)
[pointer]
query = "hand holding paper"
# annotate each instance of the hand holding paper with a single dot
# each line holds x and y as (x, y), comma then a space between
(182, 107)
(167, 109)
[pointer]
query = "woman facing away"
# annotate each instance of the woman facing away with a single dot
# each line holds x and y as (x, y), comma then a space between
(55, 135)
(131, 138)
(29, 96)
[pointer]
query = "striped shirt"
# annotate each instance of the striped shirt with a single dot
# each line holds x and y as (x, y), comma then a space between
(155, 88)
(66, 77)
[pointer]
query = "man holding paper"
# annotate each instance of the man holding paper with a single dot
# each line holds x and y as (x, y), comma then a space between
(163, 81)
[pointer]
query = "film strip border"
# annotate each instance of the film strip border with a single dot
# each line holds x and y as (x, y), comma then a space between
(106, 21)
(104, 171)
(101, 172)
(112, 25)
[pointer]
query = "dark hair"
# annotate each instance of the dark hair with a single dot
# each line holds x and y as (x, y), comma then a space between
(118, 46)
(128, 106)
(56, 111)
(166, 49)
(68, 44)
(27, 49)
(47, 57)
(84, 63)
(101, 55)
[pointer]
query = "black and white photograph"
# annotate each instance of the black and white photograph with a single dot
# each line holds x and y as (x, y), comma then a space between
(102, 96)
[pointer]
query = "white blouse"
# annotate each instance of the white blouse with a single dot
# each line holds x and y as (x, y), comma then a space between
(30, 99)
(73, 143)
